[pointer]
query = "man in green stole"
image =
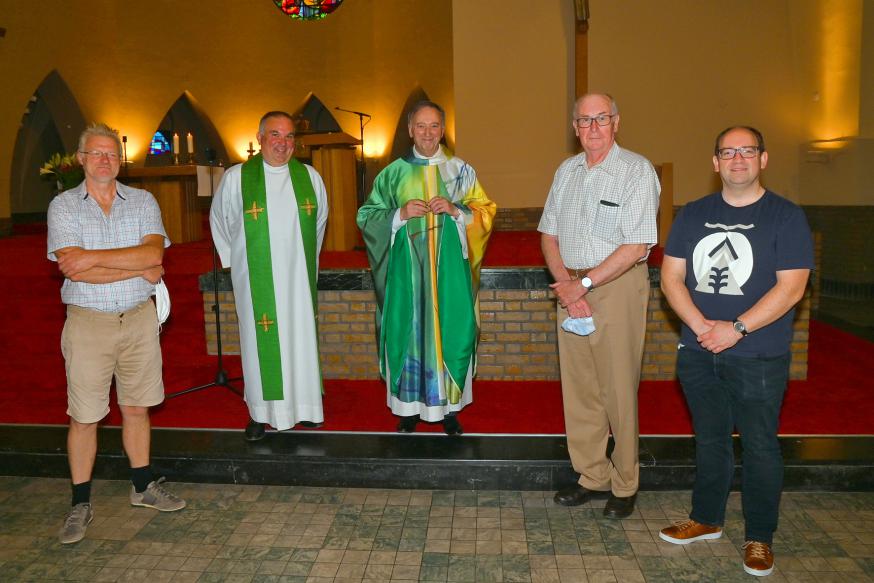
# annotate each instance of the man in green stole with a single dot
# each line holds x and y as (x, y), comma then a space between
(426, 225)
(268, 220)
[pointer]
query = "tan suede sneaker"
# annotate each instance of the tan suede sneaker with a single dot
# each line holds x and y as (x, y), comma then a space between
(156, 496)
(758, 558)
(76, 523)
(688, 531)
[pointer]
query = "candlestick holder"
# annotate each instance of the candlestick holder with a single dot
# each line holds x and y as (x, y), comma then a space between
(175, 159)
(191, 157)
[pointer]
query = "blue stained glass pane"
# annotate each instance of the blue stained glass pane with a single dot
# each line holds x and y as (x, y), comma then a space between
(159, 144)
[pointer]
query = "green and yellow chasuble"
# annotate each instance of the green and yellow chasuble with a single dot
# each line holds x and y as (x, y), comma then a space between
(426, 275)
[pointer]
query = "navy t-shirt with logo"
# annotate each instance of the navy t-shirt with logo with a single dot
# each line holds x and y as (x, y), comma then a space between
(732, 258)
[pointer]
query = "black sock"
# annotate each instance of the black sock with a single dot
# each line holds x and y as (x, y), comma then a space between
(81, 493)
(141, 478)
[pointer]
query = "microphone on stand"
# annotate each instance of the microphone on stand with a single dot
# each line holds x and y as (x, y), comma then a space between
(362, 114)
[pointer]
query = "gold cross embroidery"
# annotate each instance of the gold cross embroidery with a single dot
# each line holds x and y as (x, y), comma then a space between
(308, 207)
(265, 322)
(255, 210)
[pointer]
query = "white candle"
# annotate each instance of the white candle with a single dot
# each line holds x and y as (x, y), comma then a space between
(190, 140)
(175, 143)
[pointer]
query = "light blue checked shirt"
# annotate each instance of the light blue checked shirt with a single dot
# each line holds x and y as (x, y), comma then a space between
(76, 220)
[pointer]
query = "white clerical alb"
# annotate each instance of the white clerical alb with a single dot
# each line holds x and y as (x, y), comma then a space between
(298, 342)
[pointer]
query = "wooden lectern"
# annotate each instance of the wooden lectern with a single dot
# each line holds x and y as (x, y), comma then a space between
(333, 156)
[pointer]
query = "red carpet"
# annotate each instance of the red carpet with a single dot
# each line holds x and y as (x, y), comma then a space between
(836, 399)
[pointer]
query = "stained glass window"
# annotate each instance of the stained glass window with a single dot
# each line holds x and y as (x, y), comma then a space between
(159, 144)
(308, 9)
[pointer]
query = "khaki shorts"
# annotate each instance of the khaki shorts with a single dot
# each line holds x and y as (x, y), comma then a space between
(97, 345)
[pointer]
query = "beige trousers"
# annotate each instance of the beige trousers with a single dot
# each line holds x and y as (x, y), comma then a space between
(600, 374)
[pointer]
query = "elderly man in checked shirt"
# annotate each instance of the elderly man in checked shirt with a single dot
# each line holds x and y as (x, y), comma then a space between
(108, 240)
(598, 225)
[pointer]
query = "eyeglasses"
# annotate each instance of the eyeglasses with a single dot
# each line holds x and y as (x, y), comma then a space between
(744, 151)
(97, 155)
(602, 120)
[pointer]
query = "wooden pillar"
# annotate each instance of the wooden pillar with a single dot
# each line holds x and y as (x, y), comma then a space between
(581, 69)
(666, 200)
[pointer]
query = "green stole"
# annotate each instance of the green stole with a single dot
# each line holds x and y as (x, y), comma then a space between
(258, 257)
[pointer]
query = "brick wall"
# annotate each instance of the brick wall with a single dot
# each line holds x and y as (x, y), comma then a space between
(517, 341)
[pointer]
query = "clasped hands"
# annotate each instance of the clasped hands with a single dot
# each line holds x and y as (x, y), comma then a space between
(717, 335)
(571, 296)
(419, 208)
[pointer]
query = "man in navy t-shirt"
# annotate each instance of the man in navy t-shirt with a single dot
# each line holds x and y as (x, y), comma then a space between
(735, 265)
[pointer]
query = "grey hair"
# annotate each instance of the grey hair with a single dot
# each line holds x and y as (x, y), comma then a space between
(271, 114)
(102, 130)
(420, 105)
(614, 107)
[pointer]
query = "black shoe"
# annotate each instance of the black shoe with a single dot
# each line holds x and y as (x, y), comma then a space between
(451, 425)
(576, 495)
(618, 507)
(408, 424)
(255, 431)
(309, 424)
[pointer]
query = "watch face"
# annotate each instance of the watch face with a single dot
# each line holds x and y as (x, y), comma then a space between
(739, 327)
(586, 281)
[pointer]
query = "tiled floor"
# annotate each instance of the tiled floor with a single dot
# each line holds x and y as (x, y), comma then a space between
(257, 533)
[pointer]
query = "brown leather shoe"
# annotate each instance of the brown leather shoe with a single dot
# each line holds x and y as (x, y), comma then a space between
(758, 558)
(684, 532)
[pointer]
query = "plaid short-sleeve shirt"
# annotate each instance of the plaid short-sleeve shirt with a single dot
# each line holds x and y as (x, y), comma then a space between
(592, 211)
(76, 220)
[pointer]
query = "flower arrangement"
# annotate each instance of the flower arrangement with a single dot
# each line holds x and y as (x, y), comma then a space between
(65, 170)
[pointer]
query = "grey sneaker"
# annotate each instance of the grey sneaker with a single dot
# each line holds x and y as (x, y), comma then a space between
(76, 524)
(157, 497)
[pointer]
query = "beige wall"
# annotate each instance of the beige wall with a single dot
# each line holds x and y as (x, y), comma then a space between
(127, 63)
(683, 70)
(680, 69)
(514, 86)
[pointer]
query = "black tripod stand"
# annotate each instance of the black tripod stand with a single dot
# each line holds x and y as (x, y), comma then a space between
(221, 375)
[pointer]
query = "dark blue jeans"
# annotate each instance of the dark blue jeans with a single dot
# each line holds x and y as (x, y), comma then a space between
(724, 392)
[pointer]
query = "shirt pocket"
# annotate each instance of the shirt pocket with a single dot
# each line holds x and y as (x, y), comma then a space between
(607, 221)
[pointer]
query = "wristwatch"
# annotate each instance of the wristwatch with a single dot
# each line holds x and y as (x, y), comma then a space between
(740, 328)
(588, 284)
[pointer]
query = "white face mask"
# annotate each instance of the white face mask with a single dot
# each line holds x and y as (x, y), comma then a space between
(162, 301)
(579, 326)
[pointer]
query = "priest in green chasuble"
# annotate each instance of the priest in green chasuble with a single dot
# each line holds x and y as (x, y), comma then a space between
(268, 221)
(426, 224)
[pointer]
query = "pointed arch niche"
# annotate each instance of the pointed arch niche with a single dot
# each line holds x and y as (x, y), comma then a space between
(402, 142)
(51, 123)
(184, 116)
(332, 153)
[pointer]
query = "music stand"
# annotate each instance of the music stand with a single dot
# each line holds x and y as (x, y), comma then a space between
(221, 376)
